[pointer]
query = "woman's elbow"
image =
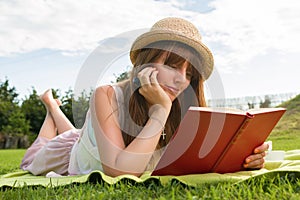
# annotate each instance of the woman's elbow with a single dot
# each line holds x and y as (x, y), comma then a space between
(115, 172)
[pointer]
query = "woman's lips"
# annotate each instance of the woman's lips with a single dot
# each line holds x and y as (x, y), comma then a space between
(174, 91)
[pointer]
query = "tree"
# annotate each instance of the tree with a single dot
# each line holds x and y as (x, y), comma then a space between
(34, 111)
(80, 107)
(124, 75)
(8, 103)
(7, 93)
(17, 124)
(5, 108)
(66, 106)
(266, 103)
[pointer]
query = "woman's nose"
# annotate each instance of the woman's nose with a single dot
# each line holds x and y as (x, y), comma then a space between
(180, 75)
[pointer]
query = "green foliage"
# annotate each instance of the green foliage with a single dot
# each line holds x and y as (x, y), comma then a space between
(5, 111)
(80, 107)
(124, 75)
(8, 105)
(17, 123)
(7, 93)
(34, 111)
(66, 106)
(29, 116)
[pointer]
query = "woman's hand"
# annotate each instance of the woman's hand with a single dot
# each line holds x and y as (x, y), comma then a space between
(151, 90)
(256, 160)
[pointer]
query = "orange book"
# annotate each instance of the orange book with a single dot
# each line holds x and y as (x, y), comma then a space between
(216, 140)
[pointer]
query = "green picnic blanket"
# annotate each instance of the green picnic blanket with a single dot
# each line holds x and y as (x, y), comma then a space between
(289, 166)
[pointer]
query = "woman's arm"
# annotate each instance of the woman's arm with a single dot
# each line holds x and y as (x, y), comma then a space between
(115, 157)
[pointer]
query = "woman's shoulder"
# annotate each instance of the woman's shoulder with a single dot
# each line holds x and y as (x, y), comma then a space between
(110, 90)
(109, 97)
(105, 91)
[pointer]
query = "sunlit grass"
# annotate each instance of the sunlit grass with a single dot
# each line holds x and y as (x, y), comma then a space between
(280, 187)
(284, 137)
(262, 188)
(285, 140)
(10, 160)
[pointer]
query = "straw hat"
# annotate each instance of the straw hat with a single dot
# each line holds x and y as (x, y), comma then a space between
(175, 29)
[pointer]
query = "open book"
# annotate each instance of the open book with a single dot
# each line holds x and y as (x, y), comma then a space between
(216, 140)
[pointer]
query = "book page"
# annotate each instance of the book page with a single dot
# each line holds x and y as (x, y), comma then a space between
(234, 110)
(218, 109)
(263, 110)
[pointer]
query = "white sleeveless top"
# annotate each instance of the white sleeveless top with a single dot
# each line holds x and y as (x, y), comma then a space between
(84, 156)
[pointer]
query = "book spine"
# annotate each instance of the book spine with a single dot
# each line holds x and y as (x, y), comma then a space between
(242, 127)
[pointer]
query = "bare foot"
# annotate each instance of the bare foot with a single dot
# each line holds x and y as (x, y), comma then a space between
(58, 102)
(49, 101)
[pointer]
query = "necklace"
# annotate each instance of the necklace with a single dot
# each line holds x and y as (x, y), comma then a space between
(163, 134)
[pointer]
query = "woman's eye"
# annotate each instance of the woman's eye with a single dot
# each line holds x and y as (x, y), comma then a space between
(188, 75)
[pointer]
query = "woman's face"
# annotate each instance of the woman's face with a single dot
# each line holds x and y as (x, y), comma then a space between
(173, 79)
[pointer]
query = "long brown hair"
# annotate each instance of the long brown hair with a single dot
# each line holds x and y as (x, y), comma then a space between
(135, 106)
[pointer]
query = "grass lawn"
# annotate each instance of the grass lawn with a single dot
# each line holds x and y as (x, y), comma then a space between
(285, 140)
(285, 137)
(263, 188)
(10, 160)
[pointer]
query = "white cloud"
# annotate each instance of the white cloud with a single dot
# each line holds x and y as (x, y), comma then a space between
(250, 28)
(72, 25)
(236, 31)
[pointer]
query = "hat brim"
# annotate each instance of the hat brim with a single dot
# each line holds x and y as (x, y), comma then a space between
(162, 35)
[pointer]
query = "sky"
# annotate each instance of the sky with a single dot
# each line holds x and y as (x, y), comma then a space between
(256, 44)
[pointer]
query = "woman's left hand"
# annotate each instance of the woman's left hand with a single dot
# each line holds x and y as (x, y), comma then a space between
(256, 160)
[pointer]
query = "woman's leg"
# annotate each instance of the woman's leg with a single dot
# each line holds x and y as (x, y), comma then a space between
(47, 132)
(55, 121)
(59, 121)
(48, 129)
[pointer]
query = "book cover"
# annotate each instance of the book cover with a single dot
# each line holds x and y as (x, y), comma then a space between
(216, 140)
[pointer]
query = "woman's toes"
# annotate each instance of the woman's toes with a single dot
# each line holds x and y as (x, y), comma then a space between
(58, 102)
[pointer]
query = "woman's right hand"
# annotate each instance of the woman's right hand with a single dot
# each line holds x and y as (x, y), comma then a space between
(151, 90)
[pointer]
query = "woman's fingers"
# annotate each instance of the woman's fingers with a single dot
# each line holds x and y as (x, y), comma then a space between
(145, 75)
(258, 164)
(153, 77)
(262, 148)
(255, 161)
(255, 164)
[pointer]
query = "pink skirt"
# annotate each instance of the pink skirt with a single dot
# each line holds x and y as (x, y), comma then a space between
(46, 155)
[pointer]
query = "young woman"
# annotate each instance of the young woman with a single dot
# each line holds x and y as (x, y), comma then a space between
(129, 123)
